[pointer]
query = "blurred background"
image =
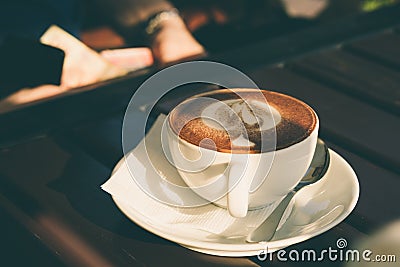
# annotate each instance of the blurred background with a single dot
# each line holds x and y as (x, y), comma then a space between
(225, 24)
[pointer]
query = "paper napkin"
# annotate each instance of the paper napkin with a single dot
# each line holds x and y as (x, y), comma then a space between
(152, 169)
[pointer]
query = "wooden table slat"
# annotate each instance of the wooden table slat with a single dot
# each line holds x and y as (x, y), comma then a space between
(311, 39)
(382, 48)
(354, 75)
(346, 120)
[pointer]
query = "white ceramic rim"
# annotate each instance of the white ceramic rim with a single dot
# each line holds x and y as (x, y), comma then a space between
(316, 126)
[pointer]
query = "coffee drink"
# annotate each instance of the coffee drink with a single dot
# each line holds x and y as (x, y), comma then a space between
(242, 148)
(243, 120)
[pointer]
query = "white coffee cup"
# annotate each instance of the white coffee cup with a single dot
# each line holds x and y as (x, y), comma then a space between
(241, 181)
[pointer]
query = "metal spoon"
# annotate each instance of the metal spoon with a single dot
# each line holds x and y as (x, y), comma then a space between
(316, 171)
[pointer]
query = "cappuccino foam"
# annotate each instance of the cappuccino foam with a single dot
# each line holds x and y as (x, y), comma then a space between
(256, 121)
(240, 119)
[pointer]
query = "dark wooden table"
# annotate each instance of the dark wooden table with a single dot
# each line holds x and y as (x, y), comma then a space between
(55, 154)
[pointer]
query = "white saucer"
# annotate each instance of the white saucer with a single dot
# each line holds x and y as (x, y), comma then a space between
(315, 210)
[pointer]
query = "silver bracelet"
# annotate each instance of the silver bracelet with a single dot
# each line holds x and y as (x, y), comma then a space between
(154, 23)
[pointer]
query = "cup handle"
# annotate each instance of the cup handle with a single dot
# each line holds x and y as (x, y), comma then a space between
(239, 181)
